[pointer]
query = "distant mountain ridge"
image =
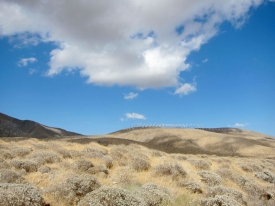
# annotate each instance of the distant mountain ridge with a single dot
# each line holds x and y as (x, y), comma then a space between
(12, 127)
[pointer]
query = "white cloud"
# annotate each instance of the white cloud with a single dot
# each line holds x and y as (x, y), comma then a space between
(186, 89)
(241, 124)
(131, 95)
(135, 116)
(32, 71)
(26, 61)
(205, 60)
(122, 42)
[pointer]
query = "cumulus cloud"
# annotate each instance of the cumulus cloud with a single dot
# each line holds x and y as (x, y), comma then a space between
(26, 61)
(131, 95)
(186, 89)
(135, 116)
(241, 124)
(139, 43)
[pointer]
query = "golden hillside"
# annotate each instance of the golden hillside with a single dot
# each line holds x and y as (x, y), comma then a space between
(143, 166)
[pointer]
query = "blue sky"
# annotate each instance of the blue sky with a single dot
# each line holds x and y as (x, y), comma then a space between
(97, 67)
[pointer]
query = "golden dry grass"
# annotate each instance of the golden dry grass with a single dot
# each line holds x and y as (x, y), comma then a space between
(122, 174)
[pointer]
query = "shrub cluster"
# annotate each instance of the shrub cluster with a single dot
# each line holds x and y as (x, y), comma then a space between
(73, 188)
(219, 200)
(154, 195)
(266, 176)
(210, 178)
(139, 164)
(170, 169)
(192, 186)
(110, 196)
(44, 169)
(118, 154)
(230, 192)
(82, 165)
(200, 164)
(9, 176)
(20, 195)
(124, 176)
(94, 152)
(47, 157)
(21, 151)
(28, 166)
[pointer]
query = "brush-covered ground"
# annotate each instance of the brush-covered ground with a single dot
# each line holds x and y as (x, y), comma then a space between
(58, 172)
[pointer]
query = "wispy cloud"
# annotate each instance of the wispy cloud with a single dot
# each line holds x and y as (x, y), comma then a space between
(205, 60)
(131, 95)
(241, 124)
(25, 61)
(134, 116)
(32, 71)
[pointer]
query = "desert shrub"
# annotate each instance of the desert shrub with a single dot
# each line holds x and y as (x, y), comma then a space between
(230, 192)
(210, 178)
(48, 157)
(75, 153)
(64, 153)
(44, 169)
(181, 157)
(221, 160)
(124, 176)
(82, 184)
(82, 165)
(217, 160)
(97, 169)
(246, 168)
(7, 154)
(4, 164)
(225, 173)
(175, 170)
(200, 164)
(28, 166)
(39, 161)
(20, 195)
(103, 168)
(154, 195)
(192, 186)
(118, 154)
(73, 188)
(108, 162)
(21, 151)
(157, 153)
(221, 200)
(110, 196)
(266, 176)
(40, 146)
(252, 189)
(9, 176)
(93, 152)
(139, 164)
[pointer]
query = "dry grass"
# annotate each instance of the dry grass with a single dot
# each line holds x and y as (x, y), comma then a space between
(65, 173)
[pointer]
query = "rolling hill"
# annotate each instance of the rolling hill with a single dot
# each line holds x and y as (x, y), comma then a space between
(12, 127)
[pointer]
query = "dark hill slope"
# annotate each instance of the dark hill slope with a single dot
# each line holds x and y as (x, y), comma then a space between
(12, 127)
